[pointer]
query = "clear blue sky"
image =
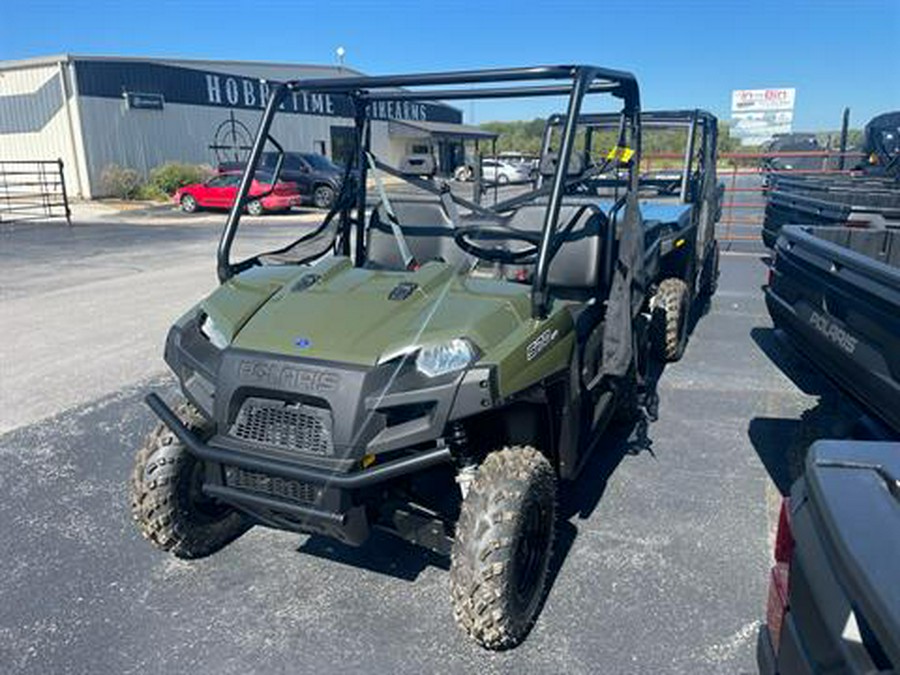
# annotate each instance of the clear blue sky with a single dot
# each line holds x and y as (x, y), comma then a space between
(686, 53)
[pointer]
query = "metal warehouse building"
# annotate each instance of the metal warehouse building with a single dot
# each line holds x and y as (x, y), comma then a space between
(93, 112)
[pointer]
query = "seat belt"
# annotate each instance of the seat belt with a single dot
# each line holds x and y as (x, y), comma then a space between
(449, 205)
(409, 261)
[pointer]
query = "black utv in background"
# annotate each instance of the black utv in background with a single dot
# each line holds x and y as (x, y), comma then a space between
(318, 177)
(881, 146)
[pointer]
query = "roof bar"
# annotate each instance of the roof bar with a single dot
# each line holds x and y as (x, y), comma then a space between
(493, 92)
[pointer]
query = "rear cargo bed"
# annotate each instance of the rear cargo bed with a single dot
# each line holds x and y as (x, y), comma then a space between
(844, 600)
(837, 292)
(830, 201)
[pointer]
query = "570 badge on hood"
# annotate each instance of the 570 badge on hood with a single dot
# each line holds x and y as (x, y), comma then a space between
(540, 343)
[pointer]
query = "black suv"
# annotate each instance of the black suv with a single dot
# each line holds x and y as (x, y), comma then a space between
(791, 144)
(318, 177)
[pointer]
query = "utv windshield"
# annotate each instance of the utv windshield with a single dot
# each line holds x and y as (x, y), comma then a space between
(675, 150)
(397, 212)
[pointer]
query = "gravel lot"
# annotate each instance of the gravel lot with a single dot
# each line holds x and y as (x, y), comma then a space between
(661, 568)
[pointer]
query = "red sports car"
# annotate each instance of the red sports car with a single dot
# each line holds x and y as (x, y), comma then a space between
(220, 191)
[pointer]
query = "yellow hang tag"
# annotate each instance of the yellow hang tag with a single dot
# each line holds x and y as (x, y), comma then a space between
(622, 153)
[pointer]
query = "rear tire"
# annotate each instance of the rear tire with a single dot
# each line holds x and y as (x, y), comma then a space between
(323, 197)
(188, 204)
(167, 504)
(463, 173)
(503, 545)
(668, 331)
(503, 179)
(255, 208)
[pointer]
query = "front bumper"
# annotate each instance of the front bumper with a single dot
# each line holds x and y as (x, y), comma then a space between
(349, 481)
(300, 443)
(330, 507)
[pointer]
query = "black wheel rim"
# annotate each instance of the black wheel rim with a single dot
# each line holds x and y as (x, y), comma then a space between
(529, 561)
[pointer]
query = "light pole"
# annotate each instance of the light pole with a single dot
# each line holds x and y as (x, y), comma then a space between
(341, 52)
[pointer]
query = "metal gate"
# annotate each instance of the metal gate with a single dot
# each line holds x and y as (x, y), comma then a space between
(744, 175)
(746, 185)
(33, 190)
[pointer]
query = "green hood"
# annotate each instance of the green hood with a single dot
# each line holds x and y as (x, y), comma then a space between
(348, 316)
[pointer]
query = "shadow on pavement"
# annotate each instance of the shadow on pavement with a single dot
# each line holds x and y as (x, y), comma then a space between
(782, 443)
(698, 310)
(581, 497)
(781, 352)
(387, 554)
(382, 553)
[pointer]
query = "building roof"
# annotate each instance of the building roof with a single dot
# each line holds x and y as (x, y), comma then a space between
(417, 129)
(52, 59)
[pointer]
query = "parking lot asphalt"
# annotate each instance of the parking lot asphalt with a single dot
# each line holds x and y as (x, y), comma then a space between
(661, 565)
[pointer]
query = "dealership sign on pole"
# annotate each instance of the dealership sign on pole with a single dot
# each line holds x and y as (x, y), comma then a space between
(758, 114)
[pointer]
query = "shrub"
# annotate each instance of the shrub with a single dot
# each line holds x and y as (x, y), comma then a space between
(172, 175)
(150, 192)
(120, 182)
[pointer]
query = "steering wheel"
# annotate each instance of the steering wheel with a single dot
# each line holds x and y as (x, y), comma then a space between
(463, 237)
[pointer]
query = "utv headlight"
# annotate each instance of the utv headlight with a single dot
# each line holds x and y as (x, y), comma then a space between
(446, 357)
(212, 333)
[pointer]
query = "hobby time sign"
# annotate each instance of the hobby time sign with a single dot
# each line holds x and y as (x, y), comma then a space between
(252, 93)
(192, 86)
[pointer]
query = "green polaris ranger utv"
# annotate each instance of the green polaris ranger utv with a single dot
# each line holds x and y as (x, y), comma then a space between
(484, 348)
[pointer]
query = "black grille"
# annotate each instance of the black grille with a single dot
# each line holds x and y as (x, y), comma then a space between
(284, 488)
(288, 426)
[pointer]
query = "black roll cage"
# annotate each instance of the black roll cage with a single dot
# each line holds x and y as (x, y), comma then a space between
(700, 125)
(576, 81)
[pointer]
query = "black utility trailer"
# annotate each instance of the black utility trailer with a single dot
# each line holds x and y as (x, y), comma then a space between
(836, 291)
(863, 201)
(680, 207)
(834, 596)
(868, 197)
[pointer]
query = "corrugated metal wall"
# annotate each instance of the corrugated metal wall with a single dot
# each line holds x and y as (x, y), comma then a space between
(35, 122)
(33, 118)
(144, 139)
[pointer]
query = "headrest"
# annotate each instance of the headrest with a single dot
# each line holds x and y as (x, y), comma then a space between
(548, 164)
(417, 165)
